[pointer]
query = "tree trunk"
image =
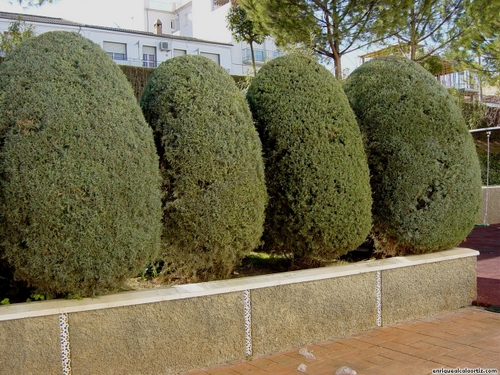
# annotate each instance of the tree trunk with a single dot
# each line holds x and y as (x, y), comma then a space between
(413, 36)
(253, 59)
(338, 66)
(337, 59)
(335, 45)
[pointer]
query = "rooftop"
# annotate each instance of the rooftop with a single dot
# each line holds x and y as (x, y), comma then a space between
(63, 22)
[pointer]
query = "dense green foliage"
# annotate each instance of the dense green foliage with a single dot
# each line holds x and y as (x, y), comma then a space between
(425, 27)
(478, 48)
(316, 168)
(481, 141)
(16, 33)
(478, 115)
(212, 167)
(80, 186)
(332, 28)
(242, 82)
(492, 177)
(138, 76)
(425, 171)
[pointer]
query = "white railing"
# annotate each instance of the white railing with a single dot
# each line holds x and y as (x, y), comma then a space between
(261, 55)
(137, 62)
(459, 80)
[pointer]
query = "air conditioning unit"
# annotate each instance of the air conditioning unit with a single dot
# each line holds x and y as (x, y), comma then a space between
(164, 46)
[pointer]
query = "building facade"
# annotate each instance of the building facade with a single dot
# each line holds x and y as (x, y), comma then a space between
(207, 19)
(130, 47)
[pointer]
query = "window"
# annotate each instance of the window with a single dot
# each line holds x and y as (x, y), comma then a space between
(258, 54)
(179, 52)
(212, 56)
(117, 51)
(149, 56)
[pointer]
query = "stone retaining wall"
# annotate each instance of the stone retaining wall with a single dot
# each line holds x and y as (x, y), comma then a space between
(174, 329)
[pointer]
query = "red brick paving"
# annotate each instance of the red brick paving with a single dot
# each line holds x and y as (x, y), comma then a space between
(486, 240)
(468, 337)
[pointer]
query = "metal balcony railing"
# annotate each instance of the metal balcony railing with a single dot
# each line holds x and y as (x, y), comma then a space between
(459, 80)
(137, 62)
(261, 55)
(165, 5)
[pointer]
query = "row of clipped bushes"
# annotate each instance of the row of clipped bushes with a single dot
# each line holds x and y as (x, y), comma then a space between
(138, 76)
(91, 193)
(476, 115)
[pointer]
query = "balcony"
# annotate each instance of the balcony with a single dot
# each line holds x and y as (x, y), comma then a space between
(463, 80)
(261, 55)
(136, 62)
(165, 5)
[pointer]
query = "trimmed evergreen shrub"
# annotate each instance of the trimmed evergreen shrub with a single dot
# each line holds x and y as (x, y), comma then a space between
(138, 76)
(316, 168)
(80, 186)
(211, 161)
(425, 172)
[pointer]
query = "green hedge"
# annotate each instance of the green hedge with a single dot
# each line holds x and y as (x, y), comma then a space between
(80, 186)
(481, 141)
(316, 168)
(425, 171)
(138, 77)
(210, 158)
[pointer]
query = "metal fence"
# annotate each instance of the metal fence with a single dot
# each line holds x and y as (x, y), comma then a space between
(260, 55)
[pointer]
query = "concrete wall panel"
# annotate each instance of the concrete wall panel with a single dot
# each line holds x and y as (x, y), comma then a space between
(289, 316)
(159, 338)
(427, 289)
(30, 346)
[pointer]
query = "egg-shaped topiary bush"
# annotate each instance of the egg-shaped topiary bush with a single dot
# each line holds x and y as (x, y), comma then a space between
(80, 185)
(212, 167)
(424, 169)
(316, 168)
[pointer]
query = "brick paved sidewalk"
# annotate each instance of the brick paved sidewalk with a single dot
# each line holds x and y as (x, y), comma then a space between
(468, 337)
(486, 240)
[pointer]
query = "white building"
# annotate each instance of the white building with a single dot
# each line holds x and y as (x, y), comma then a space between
(206, 19)
(130, 47)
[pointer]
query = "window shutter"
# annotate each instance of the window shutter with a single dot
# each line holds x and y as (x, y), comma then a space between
(147, 50)
(112, 47)
(212, 56)
(179, 52)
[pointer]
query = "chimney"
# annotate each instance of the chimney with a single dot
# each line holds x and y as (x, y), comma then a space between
(158, 26)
